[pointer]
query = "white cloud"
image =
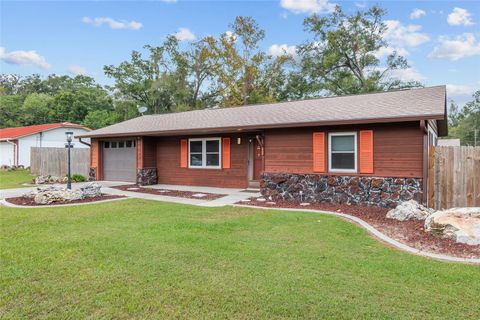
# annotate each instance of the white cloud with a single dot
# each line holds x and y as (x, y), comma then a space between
(112, 23)
(361, 5)
(409, 74)
(459, 16)
(417, 13)
(183, 34)
(24, 58)
(307, 6)
(230, 36)
(277, 50)
(385, 51)
(404, 35)
(456, 48)
(77, 70)
(459, 90)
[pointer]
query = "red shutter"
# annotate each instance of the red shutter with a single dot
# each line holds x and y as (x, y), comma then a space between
(183, 153)
(366, 151)
(319, 152)
(226, 153)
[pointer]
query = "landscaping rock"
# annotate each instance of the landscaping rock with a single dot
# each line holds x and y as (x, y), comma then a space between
(58, 193)
(459, 224)
(410, 210)
(48, 179)
(90, 190)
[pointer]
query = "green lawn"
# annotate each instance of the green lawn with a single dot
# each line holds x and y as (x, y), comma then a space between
(14, 178)
(151, 260)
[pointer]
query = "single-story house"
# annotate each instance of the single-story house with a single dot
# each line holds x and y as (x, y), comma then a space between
(368, 148)
(15, 143)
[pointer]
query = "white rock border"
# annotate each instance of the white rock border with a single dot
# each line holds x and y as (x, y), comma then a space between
(377, 234)
(5, 203)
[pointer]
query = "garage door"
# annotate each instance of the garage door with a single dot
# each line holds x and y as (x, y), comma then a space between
(119, 160)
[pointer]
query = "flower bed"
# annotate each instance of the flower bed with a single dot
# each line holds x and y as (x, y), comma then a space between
(26, 201)
(170, 193)
(408, 232)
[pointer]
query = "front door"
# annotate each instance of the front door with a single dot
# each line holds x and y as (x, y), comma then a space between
(257, 160)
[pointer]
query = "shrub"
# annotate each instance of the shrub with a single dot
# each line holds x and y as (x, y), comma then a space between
(78, 178)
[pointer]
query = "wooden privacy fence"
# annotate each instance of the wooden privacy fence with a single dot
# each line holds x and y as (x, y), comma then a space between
(53, 161)
(454, 177)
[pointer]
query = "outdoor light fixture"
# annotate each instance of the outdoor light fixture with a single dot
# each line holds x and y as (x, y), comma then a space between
(239, 140)
(69, 146)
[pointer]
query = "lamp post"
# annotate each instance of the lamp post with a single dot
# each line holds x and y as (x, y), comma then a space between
(68, 145)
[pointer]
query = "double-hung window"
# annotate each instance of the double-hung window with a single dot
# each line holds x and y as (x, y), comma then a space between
(342, 152)
(204, 153)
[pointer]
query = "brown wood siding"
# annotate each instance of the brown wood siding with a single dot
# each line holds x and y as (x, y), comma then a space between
(398, 149)
(149, 152)
(170, 172)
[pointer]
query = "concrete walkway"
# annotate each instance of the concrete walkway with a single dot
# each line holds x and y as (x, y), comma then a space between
(232, 195)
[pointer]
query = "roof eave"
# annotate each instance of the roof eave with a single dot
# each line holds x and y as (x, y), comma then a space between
(265, 126)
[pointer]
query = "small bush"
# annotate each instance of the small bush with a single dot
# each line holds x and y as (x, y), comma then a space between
(78, 178)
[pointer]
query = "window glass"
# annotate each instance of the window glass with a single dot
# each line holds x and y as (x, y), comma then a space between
(128, 144)
(196, 146)
(343, 161)
(213, 159)
(121, 144)
(343, 143)
(113, 144)
(213, 145)
(196, 159)
(106, 144)
(204, 153)
(342, 152)
(134, 143)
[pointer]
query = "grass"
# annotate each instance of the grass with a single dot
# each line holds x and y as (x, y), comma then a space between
(151, 260)
(14, 178)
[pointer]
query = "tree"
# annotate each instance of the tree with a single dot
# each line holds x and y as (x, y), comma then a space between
(156, 82)
(238, 64)
(342, 57)
(465, 124)
(99, 118)
(37, 109)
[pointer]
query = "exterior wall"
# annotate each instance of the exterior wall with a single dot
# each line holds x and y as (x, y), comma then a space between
(50, 138)
(170, 172)
(398, 149)
(377, 191)
(6, 154)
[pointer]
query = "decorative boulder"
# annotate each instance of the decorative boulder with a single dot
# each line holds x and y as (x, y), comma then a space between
(410, 210)
(459, 224)
(49, 179)
(57, 193)
(91, 189)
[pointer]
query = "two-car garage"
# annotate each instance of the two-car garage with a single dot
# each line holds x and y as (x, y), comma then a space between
(119, 160)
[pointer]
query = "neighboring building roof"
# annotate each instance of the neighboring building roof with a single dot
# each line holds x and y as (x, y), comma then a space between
(18, 132)
(391, 106)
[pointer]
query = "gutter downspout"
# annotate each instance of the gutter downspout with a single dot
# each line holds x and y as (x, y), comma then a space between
(83, 142)
(15, 151)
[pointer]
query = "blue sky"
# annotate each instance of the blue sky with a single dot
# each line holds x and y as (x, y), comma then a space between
(441, 39)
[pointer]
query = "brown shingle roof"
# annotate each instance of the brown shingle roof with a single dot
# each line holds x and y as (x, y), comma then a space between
(401, 105)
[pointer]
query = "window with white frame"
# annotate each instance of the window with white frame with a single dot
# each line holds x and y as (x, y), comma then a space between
(204, 153)
(342, 152)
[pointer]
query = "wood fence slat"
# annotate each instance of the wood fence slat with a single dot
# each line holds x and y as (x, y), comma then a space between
(454, 177)
(53, 161)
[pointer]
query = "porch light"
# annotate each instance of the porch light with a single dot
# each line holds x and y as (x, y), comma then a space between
(239, 140)
(69, 135)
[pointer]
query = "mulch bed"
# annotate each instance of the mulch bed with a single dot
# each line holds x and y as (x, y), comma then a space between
(408, 232)
(169, 193)
(24, 201)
